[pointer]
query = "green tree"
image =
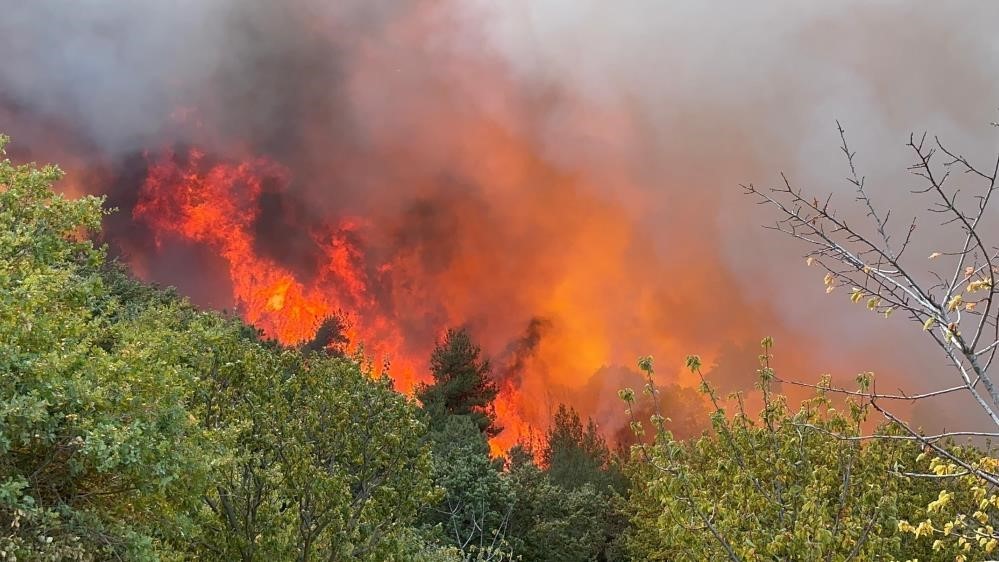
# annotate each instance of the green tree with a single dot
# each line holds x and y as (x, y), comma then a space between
(476, 503)
(554, 523)
(135, 427)
(950, 296)
(782, 485)
(575, 456)
(477, 500)
(461, 383)
(100, 457)
(327, 462)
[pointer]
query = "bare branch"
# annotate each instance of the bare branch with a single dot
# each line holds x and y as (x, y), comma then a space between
(875, 270)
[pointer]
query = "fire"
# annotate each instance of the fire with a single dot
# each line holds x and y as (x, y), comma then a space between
(389, 295)
(216, 204)
(525, 246)
(391, 177)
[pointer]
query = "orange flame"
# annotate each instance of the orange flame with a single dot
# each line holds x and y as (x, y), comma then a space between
(216, 205)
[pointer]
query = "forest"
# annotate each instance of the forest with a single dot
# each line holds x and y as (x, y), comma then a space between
(137, 426)
(499, 281)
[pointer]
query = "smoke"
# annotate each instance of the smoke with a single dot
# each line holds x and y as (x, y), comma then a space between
(515, 359)
(495, 164)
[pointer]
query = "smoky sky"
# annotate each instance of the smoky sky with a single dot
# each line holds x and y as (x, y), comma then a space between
(664, 107)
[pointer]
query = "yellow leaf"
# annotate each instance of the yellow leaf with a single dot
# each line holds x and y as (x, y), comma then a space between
(954, 303)
(978, 285)
(809, 261)
(929, 323)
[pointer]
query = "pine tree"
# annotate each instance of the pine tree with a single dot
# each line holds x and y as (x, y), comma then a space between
(462, 384)
(575, 456)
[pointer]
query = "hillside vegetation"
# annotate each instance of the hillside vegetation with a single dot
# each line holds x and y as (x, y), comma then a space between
(134, 426)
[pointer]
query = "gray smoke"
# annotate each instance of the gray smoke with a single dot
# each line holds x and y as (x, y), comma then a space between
(684, 100)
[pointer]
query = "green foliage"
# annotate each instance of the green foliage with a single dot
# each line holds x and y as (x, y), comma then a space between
(777, 486)
(564, 512)
(135, 427)
(575, 456)
(552, 522)
(325, 462)
(462, 385)
(473, 512)
(477, 499)
(962, 519)
(525, 512)
(99, 454)
(420, 546)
